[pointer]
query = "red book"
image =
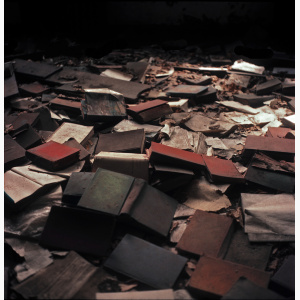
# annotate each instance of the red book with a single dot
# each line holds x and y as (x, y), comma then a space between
(159, 153)
(222, 170)
(53, 156)
(149, 110)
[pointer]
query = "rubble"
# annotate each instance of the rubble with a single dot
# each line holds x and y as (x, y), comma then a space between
(149, 174)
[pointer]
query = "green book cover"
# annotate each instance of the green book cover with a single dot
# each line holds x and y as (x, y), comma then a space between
(106, 192)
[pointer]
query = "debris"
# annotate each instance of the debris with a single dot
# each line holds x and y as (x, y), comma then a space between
(289, 121)
(239, 107)
(240, 65)
(61, 280)
(36, 258)
(116, 74)
(204, 196)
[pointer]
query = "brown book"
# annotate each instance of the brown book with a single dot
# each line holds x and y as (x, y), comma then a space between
(207, 233)
(281, 149)
(149, 111)
(214, 277)
(132, 141)
(222, 170)
(167, 155)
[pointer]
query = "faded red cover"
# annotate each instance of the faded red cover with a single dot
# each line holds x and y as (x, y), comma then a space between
(159, 153)
(53, 156)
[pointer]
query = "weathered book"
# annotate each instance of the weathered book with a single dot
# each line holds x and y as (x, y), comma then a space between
(214, 277)
(139, 295)
(277, 132)
(83, 153)
(159, 153)
(149, 111)
(133, 200)
(270, 173)
(33, 89)
(81, 230)
(166, 178)
(10, 83)
(14, 154)
(269, 217)
(28, 138)
(53, 156)
(246, 289)
(133, 164)
(22, 186)
(268, 87)
(222, 170)
(146, 262)
(35, 70)
(68, 105)
(283, 281)
(207, 234)
(132, 141)
(241, 251)
(70, 130)
(61, 280)
(106, 192)
(186, 91)
(102, 105)
(251, 99)
(77, 184)
(281, 149)
(149, 207)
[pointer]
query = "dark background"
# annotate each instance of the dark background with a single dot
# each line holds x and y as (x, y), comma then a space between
(101, 26)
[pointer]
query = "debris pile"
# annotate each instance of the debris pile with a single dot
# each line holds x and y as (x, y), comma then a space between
(141, 175)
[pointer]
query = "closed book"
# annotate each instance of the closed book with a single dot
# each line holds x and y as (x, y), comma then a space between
(53, 156)
(14, 154)
(149, 111)
(133, 164)
(214, 277)
(77, 184)
(132, 141)
(106, 192)
(81, 230)
(146, 262)
(206, 234)
(222, 170)
(159, 153)
(149, 207)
